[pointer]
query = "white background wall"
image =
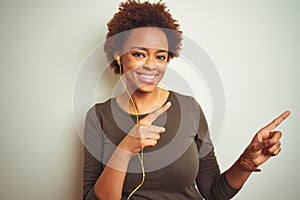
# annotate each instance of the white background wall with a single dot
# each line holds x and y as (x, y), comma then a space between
(254, 44)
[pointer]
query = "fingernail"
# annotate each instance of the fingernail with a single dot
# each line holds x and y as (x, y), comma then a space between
(168, 104)
(155, 142)
(163, 129)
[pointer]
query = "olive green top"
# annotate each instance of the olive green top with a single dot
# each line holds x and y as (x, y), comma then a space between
(181, 166)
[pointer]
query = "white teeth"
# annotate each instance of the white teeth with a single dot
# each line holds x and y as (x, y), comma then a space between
(147, 76)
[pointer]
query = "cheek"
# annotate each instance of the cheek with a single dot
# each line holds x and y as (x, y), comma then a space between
(163, 68)
(131, 64)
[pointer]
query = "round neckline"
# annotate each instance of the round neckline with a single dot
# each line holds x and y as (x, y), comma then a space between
(114, 101)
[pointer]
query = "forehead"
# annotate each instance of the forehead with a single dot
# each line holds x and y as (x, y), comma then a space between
(146, 37)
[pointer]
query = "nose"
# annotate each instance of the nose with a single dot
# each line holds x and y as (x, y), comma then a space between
(150, 64)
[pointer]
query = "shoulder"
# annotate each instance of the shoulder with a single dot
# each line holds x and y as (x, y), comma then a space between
(104, 105)
(187, 104)
(99, 108)
(183, 99)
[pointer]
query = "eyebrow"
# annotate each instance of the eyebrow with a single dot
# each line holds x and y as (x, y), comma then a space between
(145, 49)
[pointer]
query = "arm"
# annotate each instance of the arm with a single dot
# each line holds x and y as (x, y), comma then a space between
(93, 147)
(110, 183)
(211, 184)
(214, 185)
(100, 182)
(264, 145)
(110, 180)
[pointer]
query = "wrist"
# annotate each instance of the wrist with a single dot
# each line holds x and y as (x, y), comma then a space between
(247, 164)
(123, 153)
(119, 160)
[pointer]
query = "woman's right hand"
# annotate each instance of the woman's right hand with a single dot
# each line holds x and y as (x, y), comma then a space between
(144, 134)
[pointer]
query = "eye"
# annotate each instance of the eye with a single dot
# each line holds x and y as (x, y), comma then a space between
(161, 57)
(138, 54)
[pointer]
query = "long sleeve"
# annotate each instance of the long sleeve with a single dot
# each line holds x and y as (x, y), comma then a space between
(92, 169)
(210, 182)
(106, 125)
(93, 145)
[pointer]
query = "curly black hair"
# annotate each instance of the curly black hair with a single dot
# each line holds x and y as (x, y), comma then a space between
(134, 14)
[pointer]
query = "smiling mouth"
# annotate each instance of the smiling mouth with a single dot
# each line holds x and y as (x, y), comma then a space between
(147, 78)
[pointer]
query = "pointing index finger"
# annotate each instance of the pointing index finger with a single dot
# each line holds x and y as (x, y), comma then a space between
(276, 121)
(151, 117)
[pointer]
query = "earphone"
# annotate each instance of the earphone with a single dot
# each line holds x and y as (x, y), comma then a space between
(140, 155)
(118, 60)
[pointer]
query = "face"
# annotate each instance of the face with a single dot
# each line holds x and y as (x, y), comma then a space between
(144, 59)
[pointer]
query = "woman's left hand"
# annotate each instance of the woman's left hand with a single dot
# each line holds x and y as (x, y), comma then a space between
(266, 143)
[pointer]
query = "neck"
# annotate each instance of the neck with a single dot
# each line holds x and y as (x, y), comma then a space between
(140, 102)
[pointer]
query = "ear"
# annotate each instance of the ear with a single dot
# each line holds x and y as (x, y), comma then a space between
(118, 60)
(116, 54)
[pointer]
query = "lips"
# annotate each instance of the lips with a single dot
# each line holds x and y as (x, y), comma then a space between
(147, 78)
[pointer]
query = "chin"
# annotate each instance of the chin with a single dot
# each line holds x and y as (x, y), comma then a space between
(147, 88)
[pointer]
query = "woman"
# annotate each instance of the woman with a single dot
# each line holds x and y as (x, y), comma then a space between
(151, 143)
